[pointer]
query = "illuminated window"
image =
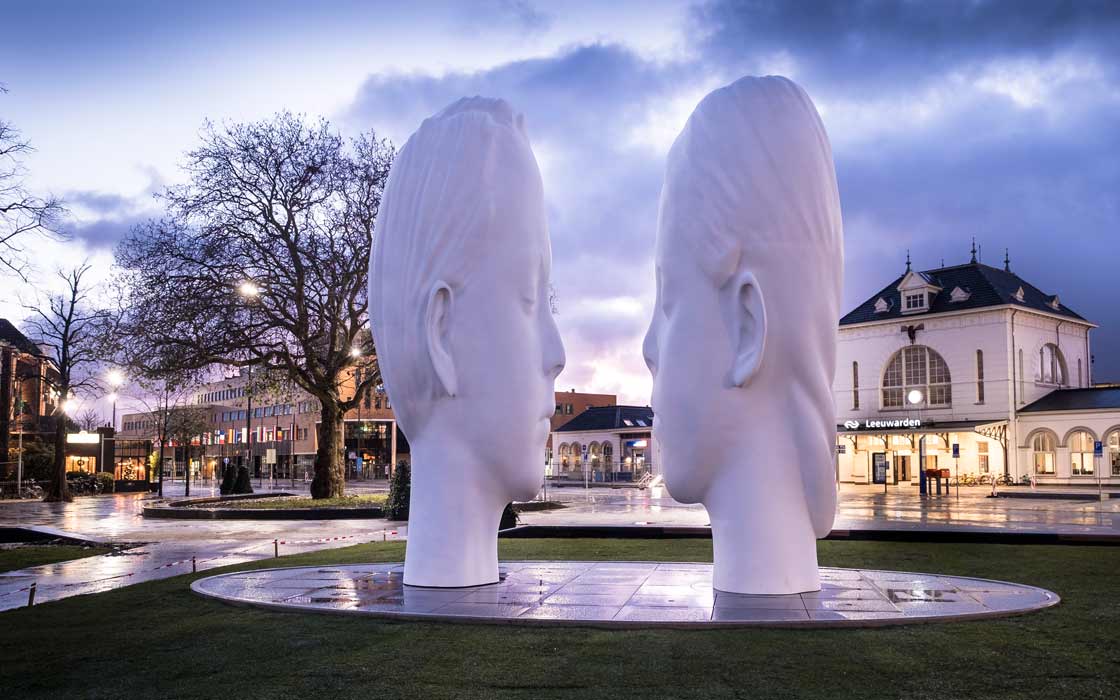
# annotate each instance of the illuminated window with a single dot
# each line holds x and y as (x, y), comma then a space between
(1081, 453)
(1113, 442)
(1043, 448)
(921, 368)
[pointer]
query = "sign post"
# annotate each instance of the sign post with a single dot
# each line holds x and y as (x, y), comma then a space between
(957, 467)
(1098, 453)
(583, 460)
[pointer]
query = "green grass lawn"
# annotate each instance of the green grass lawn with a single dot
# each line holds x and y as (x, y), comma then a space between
(159, 640)
(303, 502)
(36, 555)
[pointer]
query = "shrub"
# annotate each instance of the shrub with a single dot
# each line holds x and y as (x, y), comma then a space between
(244, 483)
(400, 491)
(229, 479)
(81, 483)
(105, 482)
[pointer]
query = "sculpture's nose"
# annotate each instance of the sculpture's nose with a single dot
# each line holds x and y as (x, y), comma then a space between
(553, 346)
(649, 346)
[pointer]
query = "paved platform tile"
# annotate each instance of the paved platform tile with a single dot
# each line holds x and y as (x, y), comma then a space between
(625, 594)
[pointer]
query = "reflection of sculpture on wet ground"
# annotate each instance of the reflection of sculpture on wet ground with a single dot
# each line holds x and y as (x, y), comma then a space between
(742, 345)
(468, 348)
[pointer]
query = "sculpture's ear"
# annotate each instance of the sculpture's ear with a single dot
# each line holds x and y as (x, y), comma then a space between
(437, 320)
(748, 327)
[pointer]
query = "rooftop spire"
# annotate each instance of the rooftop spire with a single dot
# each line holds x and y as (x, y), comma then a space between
(974, 249)
(908, 260)
(1006, 260)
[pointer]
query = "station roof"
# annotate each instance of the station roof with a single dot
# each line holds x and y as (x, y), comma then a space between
(610, 418)
(1091, 399)
(984, 285)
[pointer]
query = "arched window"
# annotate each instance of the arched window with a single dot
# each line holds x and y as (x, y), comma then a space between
(1051, 366)
(593, 455)
(1022, 378)
(855, 386)
(917, 368)
(565, 455)
(1081, 453)
(608, 455)
(979, 376)
(1112, 442)
(1042, 446)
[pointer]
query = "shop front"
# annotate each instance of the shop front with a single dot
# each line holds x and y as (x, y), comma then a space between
(909, 452)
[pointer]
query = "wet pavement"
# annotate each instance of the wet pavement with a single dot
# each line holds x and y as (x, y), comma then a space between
(861, 508)
(627, 594)
(169, 545)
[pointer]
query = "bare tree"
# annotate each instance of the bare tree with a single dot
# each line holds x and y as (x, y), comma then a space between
(185, 424)
(262, 262)
(74, 331)
(22, 215)
(89, 418)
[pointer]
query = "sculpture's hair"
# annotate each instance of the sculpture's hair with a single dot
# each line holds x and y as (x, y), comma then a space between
(751, 184)
(447, 194)
(753, 159)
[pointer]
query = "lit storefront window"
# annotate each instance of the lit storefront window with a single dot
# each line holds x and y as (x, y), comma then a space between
(1043, 448)
(1114, 451)
(1081, 453)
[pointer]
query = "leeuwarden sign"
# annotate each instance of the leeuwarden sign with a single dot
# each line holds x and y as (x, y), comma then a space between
(880, 424)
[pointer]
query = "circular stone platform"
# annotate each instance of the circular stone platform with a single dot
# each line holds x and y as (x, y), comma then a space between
(627, 594)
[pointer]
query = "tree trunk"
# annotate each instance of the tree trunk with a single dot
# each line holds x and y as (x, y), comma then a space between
(330, 476)
(58, 489)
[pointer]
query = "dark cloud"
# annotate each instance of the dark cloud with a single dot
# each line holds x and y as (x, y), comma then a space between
(104, 234)
(958, 119)
(859, 46)
(949, 121)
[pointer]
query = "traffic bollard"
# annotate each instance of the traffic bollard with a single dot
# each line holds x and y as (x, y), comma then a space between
(31, 594)
(276, 548)
(194, 566)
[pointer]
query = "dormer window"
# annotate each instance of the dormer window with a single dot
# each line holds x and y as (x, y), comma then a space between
(917, 291)
(1020, 295)
(882, 306)
(958, 295)
(1055, 303)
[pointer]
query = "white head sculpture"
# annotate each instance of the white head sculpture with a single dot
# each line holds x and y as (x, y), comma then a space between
(742, 345)
(465, 338)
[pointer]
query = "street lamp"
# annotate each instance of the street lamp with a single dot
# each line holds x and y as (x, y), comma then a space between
(915, 398)
(250, 291)
(115, 379)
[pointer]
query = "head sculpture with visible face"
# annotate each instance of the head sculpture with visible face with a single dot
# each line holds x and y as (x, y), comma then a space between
(742, 344)
(463, 327)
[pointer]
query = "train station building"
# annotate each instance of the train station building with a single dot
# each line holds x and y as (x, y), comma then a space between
(976, 357)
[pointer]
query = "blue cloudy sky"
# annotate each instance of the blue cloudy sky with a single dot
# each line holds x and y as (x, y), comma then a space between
(949, 120)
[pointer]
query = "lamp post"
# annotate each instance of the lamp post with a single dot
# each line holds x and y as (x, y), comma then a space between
(115, 379)
(915, 398)
(356, 353)
(251, 292)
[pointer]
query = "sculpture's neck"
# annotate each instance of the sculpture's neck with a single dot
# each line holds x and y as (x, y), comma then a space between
(453, 518)
(762, 537)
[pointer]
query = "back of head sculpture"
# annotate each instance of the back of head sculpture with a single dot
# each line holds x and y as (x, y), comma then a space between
(467, 346)
(742, 345)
